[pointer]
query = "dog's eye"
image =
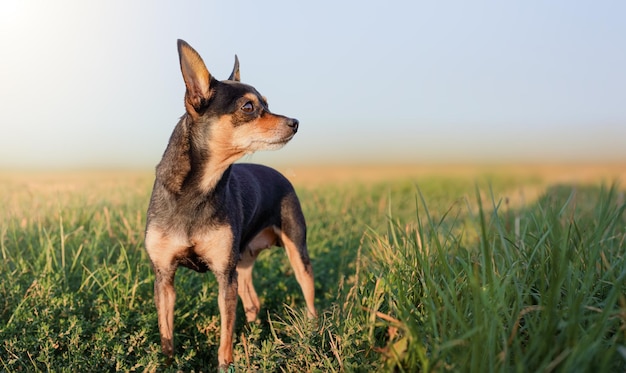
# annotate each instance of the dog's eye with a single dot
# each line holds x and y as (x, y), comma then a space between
(248, 107)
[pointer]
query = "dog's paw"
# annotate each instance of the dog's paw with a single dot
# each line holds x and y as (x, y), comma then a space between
(230, 368)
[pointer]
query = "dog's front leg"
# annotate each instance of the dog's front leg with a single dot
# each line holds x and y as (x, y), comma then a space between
(164, 298)
(227, 302)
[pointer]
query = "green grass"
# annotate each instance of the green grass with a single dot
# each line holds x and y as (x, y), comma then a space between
(443, 274)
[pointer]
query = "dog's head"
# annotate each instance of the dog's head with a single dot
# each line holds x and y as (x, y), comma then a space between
(236, 112)
(225, 120)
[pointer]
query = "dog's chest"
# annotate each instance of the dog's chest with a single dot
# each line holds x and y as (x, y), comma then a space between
(209, 248)
(213, 247)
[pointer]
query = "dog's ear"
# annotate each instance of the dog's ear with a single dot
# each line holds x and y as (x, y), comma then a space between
(176, 163)
(196, 76)
(235, 74)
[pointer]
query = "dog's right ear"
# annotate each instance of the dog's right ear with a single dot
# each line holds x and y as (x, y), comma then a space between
(196, 76)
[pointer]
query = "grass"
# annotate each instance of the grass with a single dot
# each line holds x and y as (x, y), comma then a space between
(443, 273)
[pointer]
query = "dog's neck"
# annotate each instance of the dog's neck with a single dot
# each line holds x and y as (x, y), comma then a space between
(211, 155)
(211, 173)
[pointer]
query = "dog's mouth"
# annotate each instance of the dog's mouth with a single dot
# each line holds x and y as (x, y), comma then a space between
(274, 144)
(284, 140)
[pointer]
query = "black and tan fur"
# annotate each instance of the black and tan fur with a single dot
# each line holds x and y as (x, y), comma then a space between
(207, 213)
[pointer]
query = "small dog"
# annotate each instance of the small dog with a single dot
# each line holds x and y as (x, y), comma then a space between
(207, 213)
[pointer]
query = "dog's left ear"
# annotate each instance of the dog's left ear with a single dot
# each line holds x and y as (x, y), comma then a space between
(196, 76)
(235, 74)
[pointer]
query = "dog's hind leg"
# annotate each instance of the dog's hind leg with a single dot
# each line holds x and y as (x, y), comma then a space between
(292, 235)
(249, 298)
(299, 258)
(263, 240)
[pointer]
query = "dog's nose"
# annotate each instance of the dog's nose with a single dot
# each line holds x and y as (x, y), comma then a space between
(293, 123)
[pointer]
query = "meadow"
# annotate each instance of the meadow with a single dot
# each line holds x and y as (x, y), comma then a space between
(509, 269)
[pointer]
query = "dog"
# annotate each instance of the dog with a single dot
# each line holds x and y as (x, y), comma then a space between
(206, 213)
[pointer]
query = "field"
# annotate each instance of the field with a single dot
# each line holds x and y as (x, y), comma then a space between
(450, 268)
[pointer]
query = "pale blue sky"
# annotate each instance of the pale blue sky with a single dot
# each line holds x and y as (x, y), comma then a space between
(97, 83)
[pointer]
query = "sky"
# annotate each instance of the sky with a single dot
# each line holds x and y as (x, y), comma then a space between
(97, 83)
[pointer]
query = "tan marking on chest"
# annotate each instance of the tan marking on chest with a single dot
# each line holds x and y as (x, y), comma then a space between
(164, 247)
(215, 247)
